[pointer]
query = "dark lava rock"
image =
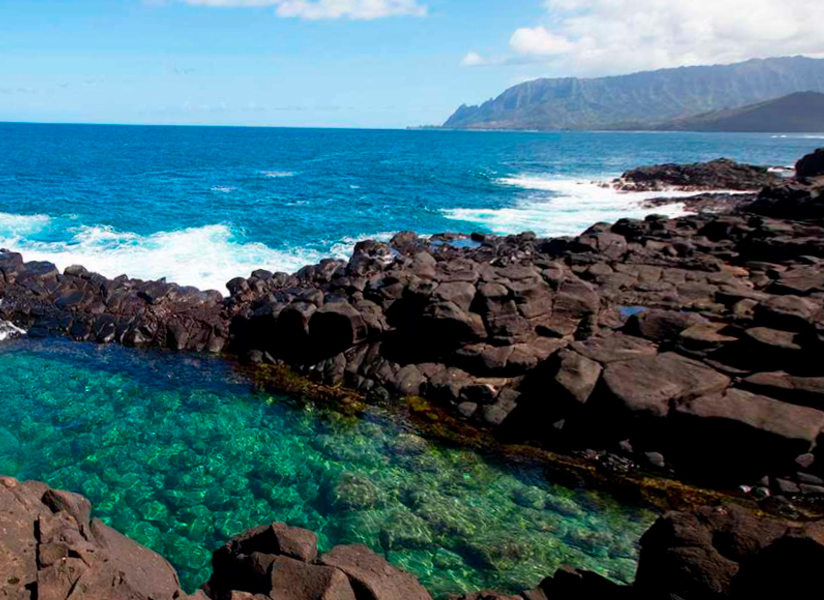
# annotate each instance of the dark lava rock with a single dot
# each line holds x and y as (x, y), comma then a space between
(372, 577)
(720, 174)
(812, 165)
(50, 549)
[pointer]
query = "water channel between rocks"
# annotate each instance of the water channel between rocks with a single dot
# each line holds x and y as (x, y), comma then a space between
(181, 453)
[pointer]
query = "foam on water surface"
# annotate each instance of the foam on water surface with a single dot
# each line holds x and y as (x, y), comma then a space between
(553, 206)
(204, 257)
(181, 454)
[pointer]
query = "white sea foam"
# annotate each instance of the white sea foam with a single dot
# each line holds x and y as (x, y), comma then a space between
(22, 224)
(277, 174)
(9, 330)
(557, 206)
(223, 189)
(205, 257)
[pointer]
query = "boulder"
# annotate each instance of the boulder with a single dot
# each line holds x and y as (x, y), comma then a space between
(661, 325)
(615, 348)
(787, 568)
(372, 577)
(296, 580)
(697, 555)
(804, 391)
(577, 376)
(50, 549)
(451, 326)
(335, 327)
(742, 433)
(811, 165)
(650, 385)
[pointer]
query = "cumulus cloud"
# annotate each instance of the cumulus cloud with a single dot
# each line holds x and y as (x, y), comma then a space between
(328, 9)
(473, 59)
(611, 36)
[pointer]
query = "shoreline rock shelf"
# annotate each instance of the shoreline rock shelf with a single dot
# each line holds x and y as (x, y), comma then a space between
(639, 338)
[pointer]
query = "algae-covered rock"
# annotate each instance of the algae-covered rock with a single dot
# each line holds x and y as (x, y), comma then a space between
(448, 560)
(530, 497)
(353, 492)
(403, 530)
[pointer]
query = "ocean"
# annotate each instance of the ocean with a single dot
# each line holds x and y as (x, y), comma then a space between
(201, 205)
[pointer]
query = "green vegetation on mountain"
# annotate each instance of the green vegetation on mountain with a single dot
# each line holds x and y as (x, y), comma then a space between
(646, 100)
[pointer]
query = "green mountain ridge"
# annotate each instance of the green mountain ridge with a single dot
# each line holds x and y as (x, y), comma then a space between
(645, 100)
(801, 112)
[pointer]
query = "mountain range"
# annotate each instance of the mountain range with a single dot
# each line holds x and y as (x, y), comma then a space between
(666, 98)
(795, 113)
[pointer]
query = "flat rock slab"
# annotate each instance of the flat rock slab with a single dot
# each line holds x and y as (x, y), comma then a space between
(295, 580)
(806, 391)
(648, 385)
(372, 577)
(615, 348)
(800, 426)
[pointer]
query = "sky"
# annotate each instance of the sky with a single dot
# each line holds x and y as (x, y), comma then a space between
(354, 63)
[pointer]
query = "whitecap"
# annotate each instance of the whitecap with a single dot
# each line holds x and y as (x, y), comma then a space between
(223, 189)
(10, 330)
(205, 257)
(17, 225)
(277, 174)
(556, 206)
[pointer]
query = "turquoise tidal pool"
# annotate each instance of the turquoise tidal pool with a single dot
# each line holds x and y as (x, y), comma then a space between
(180, 453)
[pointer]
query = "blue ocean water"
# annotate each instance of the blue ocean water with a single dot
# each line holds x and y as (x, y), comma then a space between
(201, 205)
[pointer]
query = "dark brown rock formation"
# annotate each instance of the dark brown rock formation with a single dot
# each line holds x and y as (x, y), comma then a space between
(50, 549)
(720, 174)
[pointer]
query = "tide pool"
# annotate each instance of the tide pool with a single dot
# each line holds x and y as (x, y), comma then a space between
(181, 453)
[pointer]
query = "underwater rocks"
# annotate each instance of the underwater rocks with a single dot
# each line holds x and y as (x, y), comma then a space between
(720, 174)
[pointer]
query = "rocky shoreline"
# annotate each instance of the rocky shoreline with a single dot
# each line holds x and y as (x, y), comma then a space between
(690, 346)
(634, 338)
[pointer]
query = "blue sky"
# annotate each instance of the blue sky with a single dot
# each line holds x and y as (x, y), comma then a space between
(357, 63)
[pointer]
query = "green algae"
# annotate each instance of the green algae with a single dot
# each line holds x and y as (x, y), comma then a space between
(180, 454)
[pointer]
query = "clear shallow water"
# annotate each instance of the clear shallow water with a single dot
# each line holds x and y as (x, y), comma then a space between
(203, 205)
(180, 454)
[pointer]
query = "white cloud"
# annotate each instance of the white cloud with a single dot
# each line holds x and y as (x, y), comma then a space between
(329, 9)
(538, 41)
(618, 36)
(473, 59)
